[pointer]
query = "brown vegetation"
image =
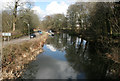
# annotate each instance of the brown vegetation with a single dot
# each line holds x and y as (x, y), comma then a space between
(16, 56)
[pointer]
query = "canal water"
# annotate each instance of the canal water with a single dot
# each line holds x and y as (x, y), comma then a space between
(67, 57)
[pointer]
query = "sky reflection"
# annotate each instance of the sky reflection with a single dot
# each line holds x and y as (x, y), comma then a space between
(54, 69)
(51, 48)
(45, 67)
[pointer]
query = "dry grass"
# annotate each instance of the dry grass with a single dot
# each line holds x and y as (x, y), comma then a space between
(15, 56)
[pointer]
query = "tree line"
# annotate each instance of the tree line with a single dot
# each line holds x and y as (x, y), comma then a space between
(18, 17)
(98, 23)
(100, 18)
(88, 18)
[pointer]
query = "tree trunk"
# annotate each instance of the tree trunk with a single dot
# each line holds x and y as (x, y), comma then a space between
(14, 25)
(111, 30)
(15, 15)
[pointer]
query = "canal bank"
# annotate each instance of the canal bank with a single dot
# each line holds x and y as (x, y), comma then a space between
(15, 57)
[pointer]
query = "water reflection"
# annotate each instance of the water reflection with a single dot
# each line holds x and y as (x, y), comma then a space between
(50, 68)
(51, 48)
(86, 57)
(58, 55)
(66, 57)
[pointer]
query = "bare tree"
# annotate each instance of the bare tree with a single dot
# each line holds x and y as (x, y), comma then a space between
(6, 21)
(15, 14)
(17, 6)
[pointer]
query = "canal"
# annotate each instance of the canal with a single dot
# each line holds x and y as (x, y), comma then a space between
(69, 57)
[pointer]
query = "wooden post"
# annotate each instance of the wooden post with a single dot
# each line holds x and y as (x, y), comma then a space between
(8, 38)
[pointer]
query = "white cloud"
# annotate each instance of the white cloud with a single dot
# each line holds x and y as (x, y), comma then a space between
(55, 7)
(7, 4)
(49, 0)
(0, 6)
(76, 0)
(51, 48)
(39, 11)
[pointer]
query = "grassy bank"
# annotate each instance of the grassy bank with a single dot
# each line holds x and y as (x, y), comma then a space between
(16, 56)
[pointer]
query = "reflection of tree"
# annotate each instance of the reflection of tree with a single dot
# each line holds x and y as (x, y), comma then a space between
(88, 61)
(55, 41)
(87, 58)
